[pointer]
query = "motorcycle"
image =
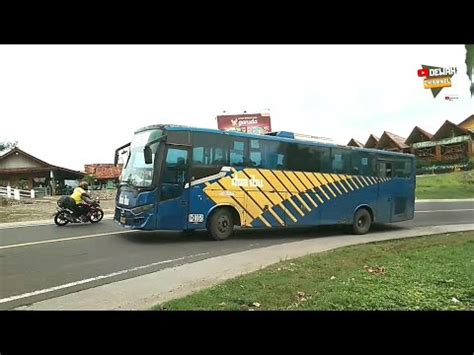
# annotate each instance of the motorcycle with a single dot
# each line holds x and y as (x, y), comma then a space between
(65, 213)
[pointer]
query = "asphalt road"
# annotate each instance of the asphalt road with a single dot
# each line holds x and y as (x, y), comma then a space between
(41, 262)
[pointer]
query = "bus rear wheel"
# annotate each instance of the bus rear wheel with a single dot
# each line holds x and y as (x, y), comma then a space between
(221, 224)
(362, 221)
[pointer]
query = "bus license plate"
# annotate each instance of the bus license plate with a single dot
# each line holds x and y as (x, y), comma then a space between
(122, 220)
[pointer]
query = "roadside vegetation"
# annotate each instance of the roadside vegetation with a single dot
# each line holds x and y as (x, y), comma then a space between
(443, 186)
(424, 273)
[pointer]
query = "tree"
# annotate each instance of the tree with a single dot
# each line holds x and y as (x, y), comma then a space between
(90, 179)
(7, 145)
(470, 64)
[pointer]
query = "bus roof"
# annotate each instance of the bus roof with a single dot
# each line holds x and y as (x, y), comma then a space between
(174, 127)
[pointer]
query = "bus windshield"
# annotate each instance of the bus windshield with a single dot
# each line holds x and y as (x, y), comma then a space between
(136, 172)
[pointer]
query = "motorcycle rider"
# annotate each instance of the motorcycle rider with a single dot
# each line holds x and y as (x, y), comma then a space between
(80, 196)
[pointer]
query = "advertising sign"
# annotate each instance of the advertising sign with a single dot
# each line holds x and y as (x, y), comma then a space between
(258, 123)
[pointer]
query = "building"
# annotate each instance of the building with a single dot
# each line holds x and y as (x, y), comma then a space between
(22, 170)
(452, 145)
(106, 175)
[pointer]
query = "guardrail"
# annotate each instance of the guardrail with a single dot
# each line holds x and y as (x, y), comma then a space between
(17, 194)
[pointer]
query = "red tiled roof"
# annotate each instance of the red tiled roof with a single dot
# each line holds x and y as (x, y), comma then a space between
(399, 141)
(103, 171)
(354, 143)
(411, 137)
(372, 139)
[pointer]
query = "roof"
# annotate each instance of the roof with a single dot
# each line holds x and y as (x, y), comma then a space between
(5, 151)
(412, 138)
(397, 140)
(456, 129)
(355, 143)
(371, 141)
(17, 150)
(468, 123)
(103, 171)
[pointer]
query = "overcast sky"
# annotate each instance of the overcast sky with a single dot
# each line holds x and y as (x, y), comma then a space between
(72, 105)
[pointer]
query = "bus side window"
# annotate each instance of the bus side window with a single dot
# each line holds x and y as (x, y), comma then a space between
(385, 169)
(402, 168)
(237, 153)
(341, 161)
(272, 155)
(255, 153)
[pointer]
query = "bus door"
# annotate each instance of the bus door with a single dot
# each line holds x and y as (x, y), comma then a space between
(385, 192)
(174, 198)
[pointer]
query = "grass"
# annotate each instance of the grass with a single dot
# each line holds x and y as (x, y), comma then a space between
(452, 185)
(424, 273)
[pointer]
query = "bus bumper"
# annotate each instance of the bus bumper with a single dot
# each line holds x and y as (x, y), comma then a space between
(144, 221)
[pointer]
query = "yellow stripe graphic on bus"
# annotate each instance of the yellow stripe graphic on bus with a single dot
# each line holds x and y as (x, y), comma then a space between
(277, 194)
(307, 185)
(254, 191)
(322, 178)
(317, 184)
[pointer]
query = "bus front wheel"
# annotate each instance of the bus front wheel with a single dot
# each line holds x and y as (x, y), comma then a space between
(221, 224)
(362, 221)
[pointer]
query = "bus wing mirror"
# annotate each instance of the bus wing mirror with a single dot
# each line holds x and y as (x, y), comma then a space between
(117, 152)
(148, 154)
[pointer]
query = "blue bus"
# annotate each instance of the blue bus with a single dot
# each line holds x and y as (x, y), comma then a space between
(186, 178)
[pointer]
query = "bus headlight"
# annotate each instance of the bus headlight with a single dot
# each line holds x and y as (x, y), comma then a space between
(140, 209)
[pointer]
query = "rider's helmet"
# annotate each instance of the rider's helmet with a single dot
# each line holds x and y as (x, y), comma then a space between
(84, 185)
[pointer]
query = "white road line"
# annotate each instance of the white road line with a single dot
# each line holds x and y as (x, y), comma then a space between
(458, 210)
(63, 239)
(71, 284)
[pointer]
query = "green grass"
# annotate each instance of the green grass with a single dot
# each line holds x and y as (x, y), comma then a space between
(425, 273)
(452, 185)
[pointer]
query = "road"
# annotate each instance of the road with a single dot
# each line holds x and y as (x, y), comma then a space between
(41, 262)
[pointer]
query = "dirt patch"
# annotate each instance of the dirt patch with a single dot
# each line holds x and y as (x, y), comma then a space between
(44, 208)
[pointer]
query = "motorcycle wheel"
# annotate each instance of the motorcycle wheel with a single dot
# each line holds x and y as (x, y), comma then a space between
(96, 216)
(60, 219)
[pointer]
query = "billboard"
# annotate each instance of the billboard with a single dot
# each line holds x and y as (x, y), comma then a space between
(257, 123)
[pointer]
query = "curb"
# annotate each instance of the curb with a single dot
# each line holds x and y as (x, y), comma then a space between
(145, 291)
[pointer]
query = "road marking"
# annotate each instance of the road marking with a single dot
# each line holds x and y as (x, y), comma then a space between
(71, 284)
(458, 210)
(63, 239)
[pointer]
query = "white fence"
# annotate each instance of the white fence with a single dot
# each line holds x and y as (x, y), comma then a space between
(17, 194)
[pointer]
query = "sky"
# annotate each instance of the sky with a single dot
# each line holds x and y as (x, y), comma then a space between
(71, 105)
